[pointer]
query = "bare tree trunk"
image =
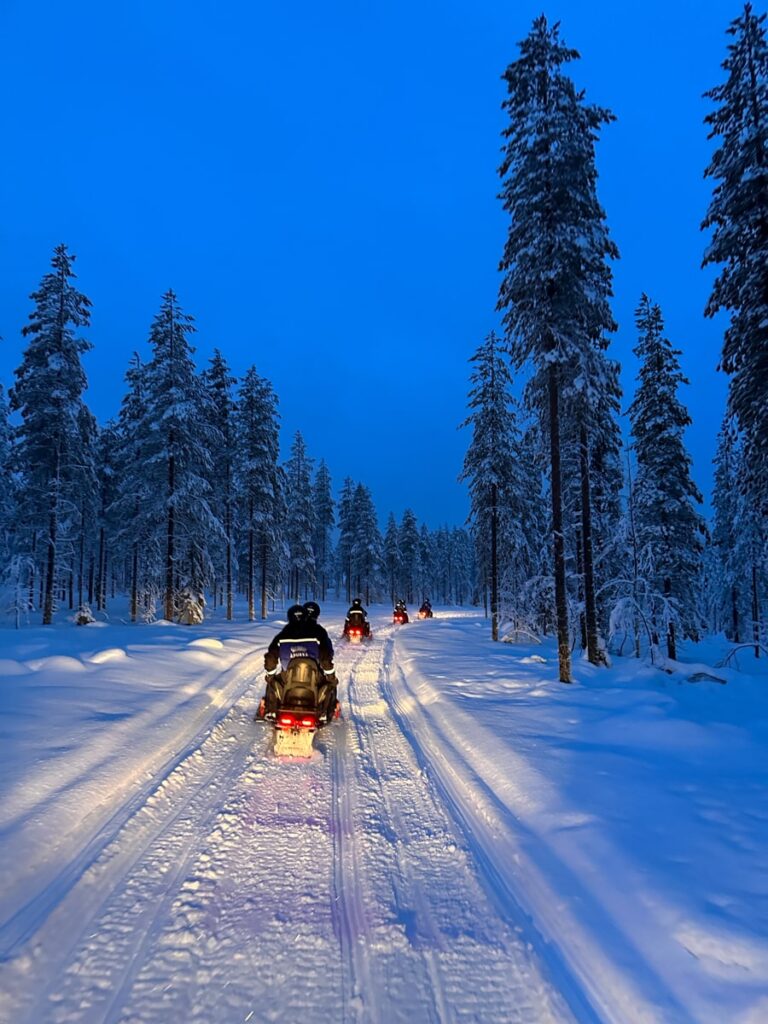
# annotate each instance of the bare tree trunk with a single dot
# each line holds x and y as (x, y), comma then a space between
(590, 602)
(755, 612)
(230, 593)
(561, 601)
(53, 531)
(251, 606)
(671, 635)
(264, 553)
(735, 613)
(580, 574)
(494, 565)
(169, 551)
(135, 582)
(81, 567)
(32, 570)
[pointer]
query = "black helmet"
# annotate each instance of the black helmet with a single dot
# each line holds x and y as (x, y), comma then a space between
(357, 603)
(312, 608)
(296, 613)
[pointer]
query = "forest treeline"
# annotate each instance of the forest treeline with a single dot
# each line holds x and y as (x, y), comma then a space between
(184, 495)
(576, 536)
(571, 532)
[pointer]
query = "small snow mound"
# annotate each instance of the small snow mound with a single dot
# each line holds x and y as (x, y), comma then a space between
(532, 659)
(207, 641)
(109, 654)
(57, 663)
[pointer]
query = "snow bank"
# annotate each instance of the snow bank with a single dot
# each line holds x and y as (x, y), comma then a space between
(89, 724)
(625, 812)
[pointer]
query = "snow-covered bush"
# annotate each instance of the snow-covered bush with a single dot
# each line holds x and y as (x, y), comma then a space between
(191, 607)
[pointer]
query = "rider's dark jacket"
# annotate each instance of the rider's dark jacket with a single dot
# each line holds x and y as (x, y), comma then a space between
(303, 637)
(356, 615)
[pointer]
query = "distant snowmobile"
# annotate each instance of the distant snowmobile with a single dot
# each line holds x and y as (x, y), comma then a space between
(425, 612)
(400, 614)
(357, 631)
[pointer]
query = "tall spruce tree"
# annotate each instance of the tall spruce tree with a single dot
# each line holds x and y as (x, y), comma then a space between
(322, 541)
(489, 467)
(410, 555)
(177, 438)
(731, 574)
(346, 542)
(556, 283)
(670, 530)
(48, 392)
(391, 556)
(137, 539)
(738, 219)
(218, 383)
(366, 545)
(7, 482)
(260, 484)
(300, 522)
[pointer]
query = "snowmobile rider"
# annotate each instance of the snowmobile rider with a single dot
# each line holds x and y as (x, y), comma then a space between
(357, 616)
(302, 628)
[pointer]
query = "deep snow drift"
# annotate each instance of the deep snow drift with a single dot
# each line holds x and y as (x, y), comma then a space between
(474, 841)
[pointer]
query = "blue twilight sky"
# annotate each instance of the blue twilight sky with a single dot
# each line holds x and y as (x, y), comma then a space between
(317, 182)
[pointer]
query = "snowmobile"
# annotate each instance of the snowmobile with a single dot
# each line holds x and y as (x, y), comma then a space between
(302, 696)
(400, 616)
(425, 612)
(356, 632)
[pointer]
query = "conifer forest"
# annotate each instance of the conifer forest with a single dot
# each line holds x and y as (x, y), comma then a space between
(586, 522)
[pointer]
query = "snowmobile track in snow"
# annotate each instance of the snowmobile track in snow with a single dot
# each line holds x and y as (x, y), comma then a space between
(252, 888)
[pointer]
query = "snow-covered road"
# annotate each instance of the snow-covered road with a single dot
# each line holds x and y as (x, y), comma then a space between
(242, 888)
(472, 842)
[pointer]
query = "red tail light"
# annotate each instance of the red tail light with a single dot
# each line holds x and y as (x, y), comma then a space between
(308, 723)
(288, 720)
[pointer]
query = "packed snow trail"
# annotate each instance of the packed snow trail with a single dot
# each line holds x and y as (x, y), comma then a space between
(252, 889)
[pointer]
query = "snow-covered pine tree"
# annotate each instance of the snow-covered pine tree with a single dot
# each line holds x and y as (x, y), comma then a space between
(463, 584)
(300, 522)
(218, 383)
(738, 219)
(556, 279)
(669, 528)
(345, 545)
(739, 575)
(107, 526)
(410, 551)
(137, 540)
(730, 575)
(391, 556)
(489, 465)
(322, 541)
(426, 562)
(87, 502)
(48, 394)
(592, 397)
(260, 484)
(366, 546)
(7, 484)
(177, 438)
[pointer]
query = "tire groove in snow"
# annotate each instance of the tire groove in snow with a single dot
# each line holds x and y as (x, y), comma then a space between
(518, 872)
(252, 888)
(91, 941)
(20, 927)
(446, 956)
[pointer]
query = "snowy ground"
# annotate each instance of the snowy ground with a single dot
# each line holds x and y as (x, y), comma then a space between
(473, 842)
